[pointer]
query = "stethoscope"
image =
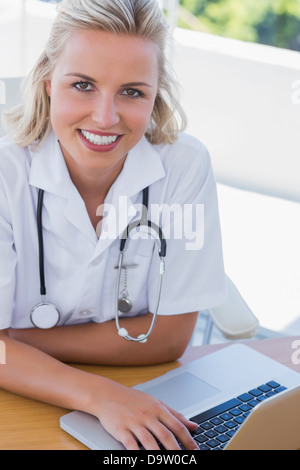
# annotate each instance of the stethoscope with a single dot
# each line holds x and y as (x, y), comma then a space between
(45, 315)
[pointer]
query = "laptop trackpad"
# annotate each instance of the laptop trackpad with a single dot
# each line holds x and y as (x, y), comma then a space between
(182, 390)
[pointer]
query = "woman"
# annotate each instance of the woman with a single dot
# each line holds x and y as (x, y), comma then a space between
(96, 128)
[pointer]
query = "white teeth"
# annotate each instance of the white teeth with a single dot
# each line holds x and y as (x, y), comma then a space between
(99, 139)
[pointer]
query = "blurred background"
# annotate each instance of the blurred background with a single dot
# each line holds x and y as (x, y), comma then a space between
(271, 22)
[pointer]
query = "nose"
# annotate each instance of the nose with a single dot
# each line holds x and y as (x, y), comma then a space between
(105, 112)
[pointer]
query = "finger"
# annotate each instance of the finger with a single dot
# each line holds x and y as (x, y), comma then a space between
(153, 434)
(181, 427)
(127, 438)
(146, 440)
(165, 436)
(191, 425)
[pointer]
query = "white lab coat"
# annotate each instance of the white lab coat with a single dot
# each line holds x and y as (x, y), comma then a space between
(79, 267)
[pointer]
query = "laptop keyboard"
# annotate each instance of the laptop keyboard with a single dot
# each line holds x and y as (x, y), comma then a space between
(217, 425)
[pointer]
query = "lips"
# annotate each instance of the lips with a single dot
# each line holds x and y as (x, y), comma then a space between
(98, 141)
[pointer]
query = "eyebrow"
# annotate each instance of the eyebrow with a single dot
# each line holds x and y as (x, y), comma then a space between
(80, 75)
(137, 84)
(92, 80)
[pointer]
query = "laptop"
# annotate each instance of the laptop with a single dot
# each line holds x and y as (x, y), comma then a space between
(240, 398)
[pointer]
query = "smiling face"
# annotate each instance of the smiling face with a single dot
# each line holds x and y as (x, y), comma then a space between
(103, 90)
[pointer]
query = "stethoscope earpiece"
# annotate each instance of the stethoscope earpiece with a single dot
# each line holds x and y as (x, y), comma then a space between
(142, 338)
(122, 332)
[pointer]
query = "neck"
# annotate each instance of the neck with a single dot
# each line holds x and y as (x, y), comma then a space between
(93, 188)
(93, 184)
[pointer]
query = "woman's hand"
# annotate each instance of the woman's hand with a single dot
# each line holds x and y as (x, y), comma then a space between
(129, 415)
(132, 416)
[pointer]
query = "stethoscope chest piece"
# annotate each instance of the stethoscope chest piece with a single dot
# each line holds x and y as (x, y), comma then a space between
(45, 315)
(124, 304)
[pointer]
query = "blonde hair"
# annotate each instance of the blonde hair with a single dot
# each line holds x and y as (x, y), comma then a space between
(29, 123)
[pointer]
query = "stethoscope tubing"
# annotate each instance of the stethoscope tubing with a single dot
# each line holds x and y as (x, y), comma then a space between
(36, 316)
(142, 338)
(41, 242)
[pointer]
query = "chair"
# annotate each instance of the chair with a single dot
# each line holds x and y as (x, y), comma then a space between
(234, 318)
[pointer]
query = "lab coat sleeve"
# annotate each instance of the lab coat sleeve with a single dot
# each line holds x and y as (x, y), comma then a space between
(7, 263)
(194, 278)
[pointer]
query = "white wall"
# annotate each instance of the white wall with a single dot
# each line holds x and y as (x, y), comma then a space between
(39, 17)
(11, 33)
(240, 101)
(24, 29)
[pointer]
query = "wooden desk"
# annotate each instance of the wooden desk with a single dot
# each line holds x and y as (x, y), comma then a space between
(28, 424)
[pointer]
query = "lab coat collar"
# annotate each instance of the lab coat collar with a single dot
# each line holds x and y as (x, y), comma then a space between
(49, 171)
(142, 167)
(48, 168)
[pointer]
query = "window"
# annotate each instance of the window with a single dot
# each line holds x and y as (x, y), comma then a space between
(270, 22)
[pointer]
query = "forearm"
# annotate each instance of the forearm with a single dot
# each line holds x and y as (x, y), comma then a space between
(100, 343)
(34, 374)
(129, 415)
